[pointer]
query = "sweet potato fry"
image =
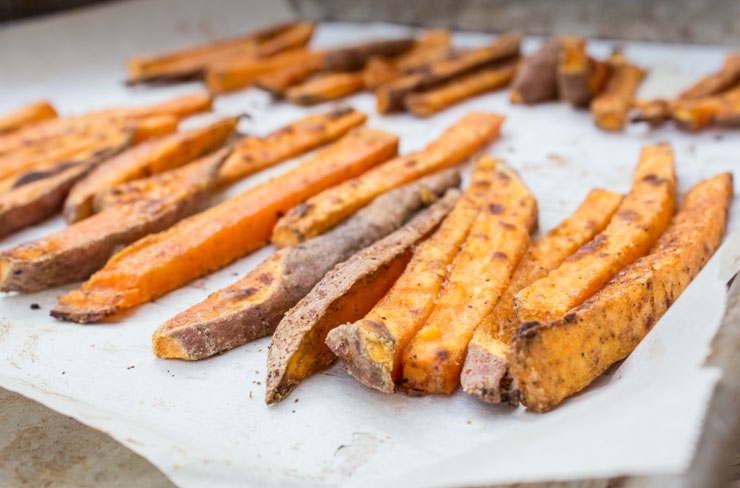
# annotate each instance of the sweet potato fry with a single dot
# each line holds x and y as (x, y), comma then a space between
(640, 219)
(486, 79)
(371, 348)
(551, 361)
(143, 160)
(486, 372)
(28, 114)
(190, 62)
(324, 88)
(433, 359)
(278, 81)
(610, 107)
(154, 126)
(344, 294)
(716, 83)
(580, 77)
(702, 112)
(252, 154)
(536, 78)
(211, 239)
(378, 72)
(253, 306)
(434, 45)
(294, 37)
(238, 73)
(74, 253)
(330, 207)
(42, 196)
(390, 96)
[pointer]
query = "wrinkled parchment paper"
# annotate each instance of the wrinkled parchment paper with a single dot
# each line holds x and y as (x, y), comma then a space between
(205, 423)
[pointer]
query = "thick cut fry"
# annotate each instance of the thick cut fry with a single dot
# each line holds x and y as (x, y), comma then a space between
(433, 359)
(371, 348)
(330, 207)
(580, 77)
(190, 62)
(480, 81)
(391, 96)
(485, 372)
(238, 73)
(536, 78)
(345, 294)
(716, 83)
(610, 107)
(76, 252)
(702, 112)
(252, 154)
(145, 159)
(325, 88)
(42, 197)
(640, 219)
(211, 239)
(28, 114)
(253, 306)
(554, 360)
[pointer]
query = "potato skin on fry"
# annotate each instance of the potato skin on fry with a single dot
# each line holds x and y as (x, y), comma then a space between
(640, 219)
(253, 306)
(486, 371)
(345, 294)
(371, 348)
(28, 114)
(551, 361)
(535, 80)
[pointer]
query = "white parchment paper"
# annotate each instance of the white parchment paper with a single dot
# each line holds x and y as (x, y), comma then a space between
(205, 423)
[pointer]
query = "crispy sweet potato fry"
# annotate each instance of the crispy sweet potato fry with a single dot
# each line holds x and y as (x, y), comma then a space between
(278, 81)
(42, 196)
(536, 78)
(235, 74)
(580, 77)
(702, 112)
(252, 154)
(253, 306)
(610, 107)
(190, 62)
(324, 88)
(371, 348)
(211, 239)
(500, 234)
(295, 36)
(330, 207)
(640, 219)
(434, 45)
(391, 96)
(74, 253)
(554, 360)
(345, 294)
(28, 114)
(485, 372)
(378, 72)
(143, 160)
(486, 79)
(154, 126)
(715, 83)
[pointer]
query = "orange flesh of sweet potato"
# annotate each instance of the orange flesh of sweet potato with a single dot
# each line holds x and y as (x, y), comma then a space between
(253, 306)
(330, 207)
(143, 160)
(434, 45)
(252, 154)
(433, 359)
(77, 251)
(551, 361)
(430, 102)
(485, 372)
(715, 83)
(610, 107)
(278, 81)
(154, 126)
(211, 239)
(702, 112)
(325, 88)
(26, 115)
(371, 348)
(344, 294)
(640, 219)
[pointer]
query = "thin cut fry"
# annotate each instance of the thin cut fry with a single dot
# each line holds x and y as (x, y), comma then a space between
(345, 294)
(28, 114)
(330, 207)
(211, 239)
(74, 253)
(371, 348)
(641, 218)
(485, 372)
(253, 306)
(477, 82)
(610, 107)
(554, 360)
(433, 359)
(325, 88)
(143, 160)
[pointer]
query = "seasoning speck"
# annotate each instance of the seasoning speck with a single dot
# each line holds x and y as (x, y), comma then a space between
(35, 306)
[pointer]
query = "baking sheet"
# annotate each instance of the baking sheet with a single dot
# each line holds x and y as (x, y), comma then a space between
(205, 423)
